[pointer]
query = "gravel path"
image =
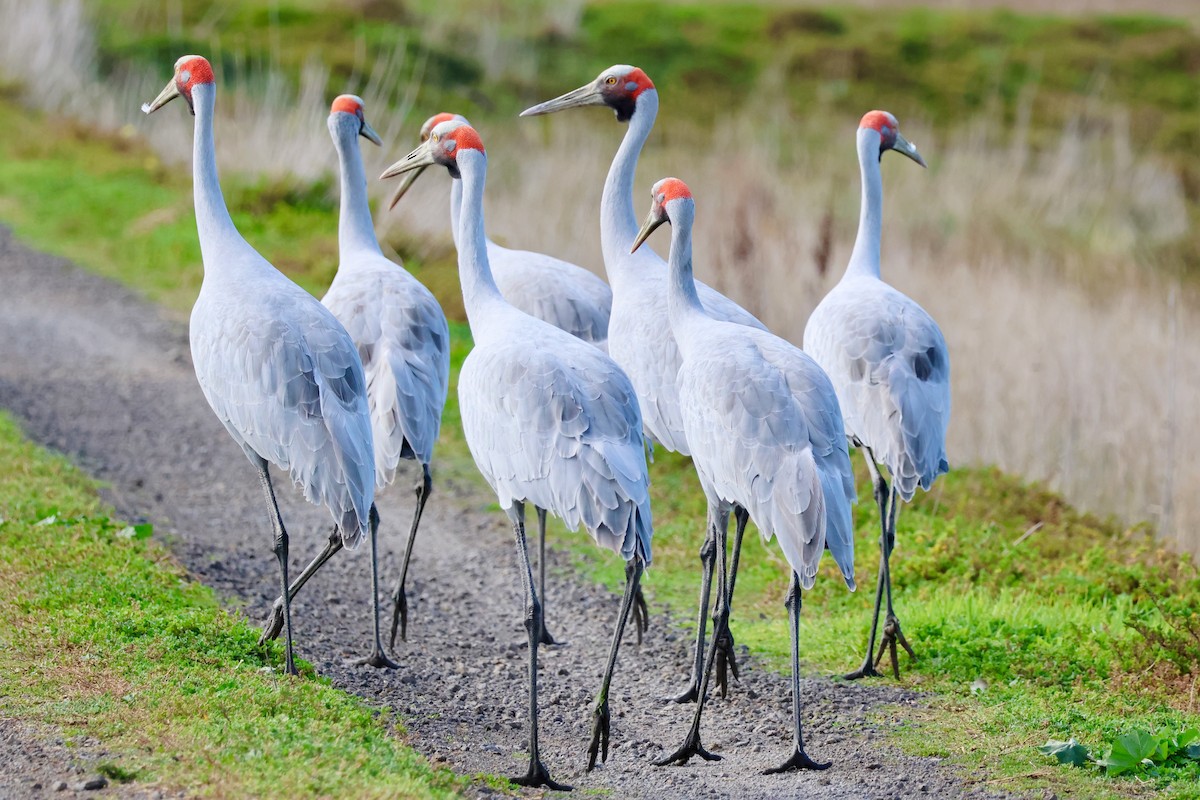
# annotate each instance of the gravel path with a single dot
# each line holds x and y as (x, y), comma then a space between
(96, 373)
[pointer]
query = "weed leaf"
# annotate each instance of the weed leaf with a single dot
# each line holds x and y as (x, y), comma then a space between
(1068, 752)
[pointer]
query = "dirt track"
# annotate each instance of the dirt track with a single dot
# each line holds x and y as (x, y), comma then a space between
(96, 373)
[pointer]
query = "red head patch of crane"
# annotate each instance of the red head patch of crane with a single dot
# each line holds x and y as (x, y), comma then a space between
(347, 103)
(882, 122)
(463, 137)
(669, 189)
(634, 82)
(192, 70)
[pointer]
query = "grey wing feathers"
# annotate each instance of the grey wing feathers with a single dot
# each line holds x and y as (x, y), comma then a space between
(721, 307)
(404, 343)
(290, 389)
(889, 362)
(559, 427)
(766, 433)
(565, 295)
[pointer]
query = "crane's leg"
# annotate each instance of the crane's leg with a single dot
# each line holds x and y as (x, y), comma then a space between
(867, 668)
(799, 759)
(537, 775)
(600, 717)
(708, 557)
(281, 553)
(726, 660)
(891, 626)
(691, 744)
(377, 658)
(544, 637)
(274, 623)
(399, 599)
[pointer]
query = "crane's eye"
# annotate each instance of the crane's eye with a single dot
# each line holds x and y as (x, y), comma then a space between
(611, 80)
(434, 137)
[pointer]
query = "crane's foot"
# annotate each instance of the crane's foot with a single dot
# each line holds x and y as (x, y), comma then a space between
(399, 616)
(797, 762)
(726, 662)
(892, 635)
(538, 775)
(867, 670)
(689, 694)
(600, 725)
(274, 624)
(691, 747)
(377, 659)
(546, 638)
(641, 614)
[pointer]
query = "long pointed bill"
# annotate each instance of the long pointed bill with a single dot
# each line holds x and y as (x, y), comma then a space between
(652, 222)
(405, 185)
(588, 95)
(909, 149)
(369, 133)
(169, 93)
(418, 159)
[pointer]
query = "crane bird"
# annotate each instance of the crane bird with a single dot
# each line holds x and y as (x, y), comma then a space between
(639, 332)
(888, 362)
(766, 433)
(402, 337)
(549, 419)
(564, 294)
(277, 368)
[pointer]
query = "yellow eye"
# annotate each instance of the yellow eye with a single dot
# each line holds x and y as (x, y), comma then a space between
(611, 80)
(434, 137)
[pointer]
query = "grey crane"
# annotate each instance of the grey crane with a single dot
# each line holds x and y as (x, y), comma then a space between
(766, 434)
(888, 361)
(549, 419)
(277, 368)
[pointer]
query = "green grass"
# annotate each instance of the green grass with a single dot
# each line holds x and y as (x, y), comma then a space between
(106, 636)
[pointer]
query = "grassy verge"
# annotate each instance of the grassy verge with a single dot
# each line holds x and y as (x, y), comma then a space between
(105, 635)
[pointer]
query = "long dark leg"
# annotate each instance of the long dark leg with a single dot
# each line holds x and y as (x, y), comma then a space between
(708, 557)
(377, 658)
(891, 626)
(867, 668)
(537, 775)
(600, 717)
(281, 553)
(399, 600)
(799, 759)
(726, 659)
(691, 744)
(274, 623)
(544, 637)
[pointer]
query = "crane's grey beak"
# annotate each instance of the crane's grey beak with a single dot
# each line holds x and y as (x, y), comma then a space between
(368, 133)
(588, 95)
(169, 93)
(416, 160)
(652, 221)
(909, 149)
(405, 185)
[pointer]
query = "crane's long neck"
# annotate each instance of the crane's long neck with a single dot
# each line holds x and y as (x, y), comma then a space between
(213, 224)
(683, 302)
(864, 260)
(456, 198)
(618, 222)
(356, 231)
(480, 294)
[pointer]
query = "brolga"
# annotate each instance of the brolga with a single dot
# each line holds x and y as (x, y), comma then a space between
(888, 362)
(766, 434)
(277, 368)
(563, 294)
(404, 342)
(639, 332)
(549, 419)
